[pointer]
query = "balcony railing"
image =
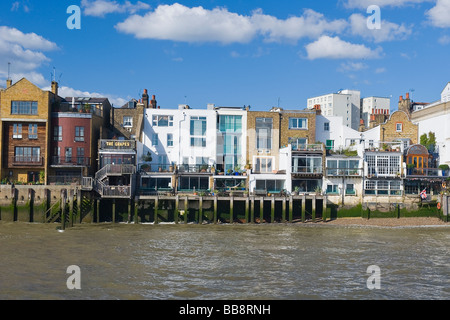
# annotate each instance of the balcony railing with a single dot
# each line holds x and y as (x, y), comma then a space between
(425, 172)
(307, 170)
(334, 172)
(194, 169)
(116, 191)
(307, 147)
(65, 180)
(27, 161)
(70, 161)
(156, 168)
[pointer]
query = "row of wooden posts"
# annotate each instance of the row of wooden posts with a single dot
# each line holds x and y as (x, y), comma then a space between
(286, 209)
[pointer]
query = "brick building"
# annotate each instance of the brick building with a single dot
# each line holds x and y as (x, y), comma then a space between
(25, 131)
(399, 127)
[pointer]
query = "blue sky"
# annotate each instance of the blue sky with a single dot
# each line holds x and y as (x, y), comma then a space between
(233, 53)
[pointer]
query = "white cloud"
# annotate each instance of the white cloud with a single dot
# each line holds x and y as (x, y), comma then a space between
(334, 48)
(24, 52)
(380, 70)
(389, 31)
(364, 4)
(444, 40)
(180, 23)
(439, 15)
(66, 92)
(100, 8)
(352, 66)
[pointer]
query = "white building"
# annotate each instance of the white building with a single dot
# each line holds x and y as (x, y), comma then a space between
(445, 94)
(374, 105)
(345, 103)
(336, 136)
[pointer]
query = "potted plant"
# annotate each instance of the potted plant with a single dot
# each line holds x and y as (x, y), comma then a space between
(444, 168)
(296, 191)
(147, 157)
(145, 167)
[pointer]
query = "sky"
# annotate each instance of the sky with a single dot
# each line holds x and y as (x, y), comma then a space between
(261, 53)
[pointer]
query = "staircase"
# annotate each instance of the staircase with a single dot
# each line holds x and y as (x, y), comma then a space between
(108, 191)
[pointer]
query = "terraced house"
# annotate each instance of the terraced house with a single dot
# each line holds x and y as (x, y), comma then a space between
(25, 131)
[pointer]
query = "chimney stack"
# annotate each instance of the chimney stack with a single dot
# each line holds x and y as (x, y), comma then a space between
(55, 87)
(8, 83)
(401, 98)
(145, 98)
(407, 96)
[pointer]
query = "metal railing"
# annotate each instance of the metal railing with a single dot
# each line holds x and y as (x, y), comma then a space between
(87, 183)
(344, 172)
(156, 167)
(307, 170)
(116, 191)
(70, 161)
(426, 172)
(184, 168)
(115, 169)
(27, 161)
(65, 180)
(307, 147)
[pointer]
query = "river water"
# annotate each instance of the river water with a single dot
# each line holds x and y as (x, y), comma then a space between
(223, 262)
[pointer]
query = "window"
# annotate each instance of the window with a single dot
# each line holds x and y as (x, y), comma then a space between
(306, 165)
(24, 107)
(155, 139)
(198, 142)
(57, 133)
(399, 127)
(79, 133)
(128, 122)
(162, 121)
(68, 154)
(27, 154)
(263, 165)
(80, 156)
(198, 126)
(17, 131)
(350, 190)
(332, 189)
(170, 140)
(383, 164)
(198, 132)
(264, 133)
(270, 185)
(298, 123)
(298, 143)
(56, 155)
(32, 131)
(326, 126)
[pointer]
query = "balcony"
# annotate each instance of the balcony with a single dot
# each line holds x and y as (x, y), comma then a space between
(64, 180)
(184, 168)
(335, 172)
(71, 161)
(27, 161)
(116, 191)
(298, 170)
(424, 172)
(153, 168)
(308, 147)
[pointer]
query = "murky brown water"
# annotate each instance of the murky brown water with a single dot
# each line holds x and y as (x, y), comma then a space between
(289, 262)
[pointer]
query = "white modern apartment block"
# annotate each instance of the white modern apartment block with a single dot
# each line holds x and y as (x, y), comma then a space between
(180, 136)
(345, 103)
(374, 105)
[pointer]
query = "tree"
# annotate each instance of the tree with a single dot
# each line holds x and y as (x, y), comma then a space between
(429, 141)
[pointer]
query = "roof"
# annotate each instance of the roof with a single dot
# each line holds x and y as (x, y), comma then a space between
(86, 99)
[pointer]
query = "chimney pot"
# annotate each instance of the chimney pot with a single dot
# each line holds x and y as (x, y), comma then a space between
(407, 96)
(401, 98)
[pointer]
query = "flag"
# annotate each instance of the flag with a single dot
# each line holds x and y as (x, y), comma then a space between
(423, 194)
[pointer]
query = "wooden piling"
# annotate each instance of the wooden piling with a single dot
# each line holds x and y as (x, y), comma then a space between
(98, 211)
(136, 208)
(252, 210)
(63, 210)
(177, 207)
(232, 209)
(215, 209)
(186, 210)
(261, 210)
(303, 208)
(156, 210)
(283, 211)
(291, 208)
(325, 209)
(272, 210)
(71, 202)
(129, 211)
(114, 211)
(247, 205)
(79, 203)
(314, 209)
(200, 211)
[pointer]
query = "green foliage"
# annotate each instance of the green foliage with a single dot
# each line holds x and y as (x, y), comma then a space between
(444, 167)
(428, 140)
